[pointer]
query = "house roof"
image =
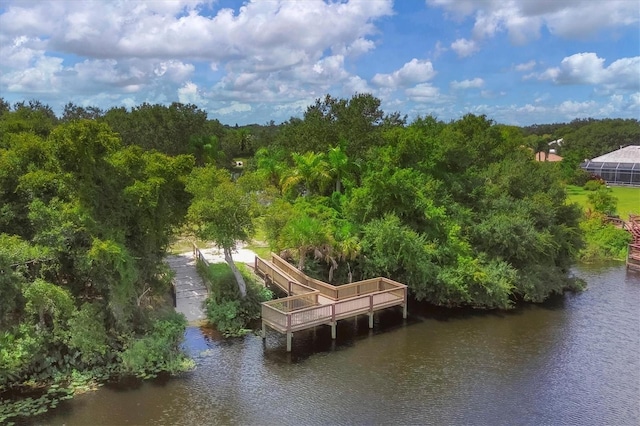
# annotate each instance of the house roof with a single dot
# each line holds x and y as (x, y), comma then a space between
(540, 156)
(628, 154)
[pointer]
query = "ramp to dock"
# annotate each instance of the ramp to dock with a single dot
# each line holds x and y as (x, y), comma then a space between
(312, 302)
(189, 288)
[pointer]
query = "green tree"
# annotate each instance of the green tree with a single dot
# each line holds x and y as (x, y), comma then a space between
(169, 130)
(310, 171)
(602, 201)
(221, 212)
(306, 234)
(338, 164)
(84, 226)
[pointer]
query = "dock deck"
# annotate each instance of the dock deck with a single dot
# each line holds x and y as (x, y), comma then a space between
(313, 302)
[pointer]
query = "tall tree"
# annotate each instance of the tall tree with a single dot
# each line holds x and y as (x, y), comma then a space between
(338, 163)
(310, 170)
(221, 212)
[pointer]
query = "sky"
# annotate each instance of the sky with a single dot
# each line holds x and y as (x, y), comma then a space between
(519, 62)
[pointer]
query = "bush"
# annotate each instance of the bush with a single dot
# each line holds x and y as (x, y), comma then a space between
(603, 201)
(225, 308)
(159, 350)
(578, 177)
(593, 185)
(603, 240)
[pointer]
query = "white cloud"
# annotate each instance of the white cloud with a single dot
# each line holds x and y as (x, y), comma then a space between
(40, 75)
(439, 49)
(620, 106)
(574, 109)
(475, 83)
(588, 68)
(233, 108)
(464, 47)
(356, 84)
(526, 66)
(190, 94)
(523, 19)
(158, 29)
(425, 93)
(414, 71)
(262, 52)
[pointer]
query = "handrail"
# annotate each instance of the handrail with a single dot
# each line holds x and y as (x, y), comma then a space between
(198, 255)
(328, 290)
(297, 312)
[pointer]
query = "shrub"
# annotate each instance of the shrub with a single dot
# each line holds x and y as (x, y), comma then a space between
(603, 201)
(603, 240)
(593, 185)
(225, 308)
(157, 351)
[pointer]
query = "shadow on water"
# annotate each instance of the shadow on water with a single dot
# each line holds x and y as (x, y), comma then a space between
(308, 343)
(317, 340)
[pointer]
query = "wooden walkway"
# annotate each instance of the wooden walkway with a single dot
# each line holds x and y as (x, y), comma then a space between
(313, 302)
(190, 291)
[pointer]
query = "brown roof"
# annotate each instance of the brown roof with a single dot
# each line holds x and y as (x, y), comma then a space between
(540, 156)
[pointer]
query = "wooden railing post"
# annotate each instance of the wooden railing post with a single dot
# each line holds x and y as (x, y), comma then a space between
(371, 311)
(289, 333)
(333, 321)
(404, 307)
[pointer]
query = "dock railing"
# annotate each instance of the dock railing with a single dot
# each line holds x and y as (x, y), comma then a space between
(633, 257)
(313, 302)
(325, 289)
(198, 256)
(282, 279)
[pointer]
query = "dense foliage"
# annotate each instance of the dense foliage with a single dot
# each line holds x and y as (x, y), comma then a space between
(603, 240)
(459, 211)
(84, 225)
(225, 306)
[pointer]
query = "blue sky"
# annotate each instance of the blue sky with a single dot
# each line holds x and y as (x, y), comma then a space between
(517, 61)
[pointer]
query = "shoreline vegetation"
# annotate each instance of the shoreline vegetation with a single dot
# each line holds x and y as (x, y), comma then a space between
(603, 241)
(91, 201)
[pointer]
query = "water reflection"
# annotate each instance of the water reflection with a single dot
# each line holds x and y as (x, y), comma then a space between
(572, 360)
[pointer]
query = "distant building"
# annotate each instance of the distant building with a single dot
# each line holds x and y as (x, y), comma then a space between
(557, 142)
(620, 167)
(550, 156)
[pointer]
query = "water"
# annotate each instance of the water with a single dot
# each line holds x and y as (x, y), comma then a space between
(574, 360)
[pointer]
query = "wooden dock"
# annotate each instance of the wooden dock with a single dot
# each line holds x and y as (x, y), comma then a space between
(312, 302)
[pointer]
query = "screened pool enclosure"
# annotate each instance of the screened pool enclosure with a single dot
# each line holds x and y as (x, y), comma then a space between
(621, 167)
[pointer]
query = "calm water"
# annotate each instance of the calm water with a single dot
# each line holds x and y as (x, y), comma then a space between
(575, 360)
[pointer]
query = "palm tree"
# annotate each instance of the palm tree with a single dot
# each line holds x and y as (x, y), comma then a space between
(338, 163)
(271, 164)
(349, 250)
(311, 171)
(305, 233)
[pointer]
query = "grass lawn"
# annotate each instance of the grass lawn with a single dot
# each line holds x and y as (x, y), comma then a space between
(258, 245)
(628, 198)
(184, 245)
